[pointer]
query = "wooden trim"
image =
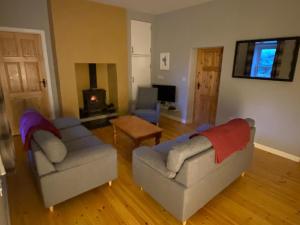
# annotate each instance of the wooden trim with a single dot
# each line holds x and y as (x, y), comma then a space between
(45, 56)
(277, 152)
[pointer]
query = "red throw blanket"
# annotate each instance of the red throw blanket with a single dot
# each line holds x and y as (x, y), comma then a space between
(32, 121)
(228, 138)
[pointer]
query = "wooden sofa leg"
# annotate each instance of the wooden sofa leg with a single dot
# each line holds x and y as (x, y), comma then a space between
(51, 208)
(109, 183)
(243, 174)
(184, 223)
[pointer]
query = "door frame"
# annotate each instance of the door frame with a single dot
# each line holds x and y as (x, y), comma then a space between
(45, 56)
(192, 81)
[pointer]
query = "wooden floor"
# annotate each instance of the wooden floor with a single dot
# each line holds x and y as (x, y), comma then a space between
(268, 194)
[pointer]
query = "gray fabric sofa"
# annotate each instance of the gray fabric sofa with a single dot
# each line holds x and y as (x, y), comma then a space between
(182, 174)
(87, 164)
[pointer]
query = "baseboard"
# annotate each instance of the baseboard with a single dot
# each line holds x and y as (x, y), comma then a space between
(178, 119)
(277, 152)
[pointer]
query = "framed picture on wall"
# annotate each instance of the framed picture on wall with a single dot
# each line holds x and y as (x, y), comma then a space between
(164, 61)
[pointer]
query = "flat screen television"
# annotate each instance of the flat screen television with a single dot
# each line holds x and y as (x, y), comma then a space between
(166, 93)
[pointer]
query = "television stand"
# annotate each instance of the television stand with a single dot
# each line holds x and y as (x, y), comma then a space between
(171, 112)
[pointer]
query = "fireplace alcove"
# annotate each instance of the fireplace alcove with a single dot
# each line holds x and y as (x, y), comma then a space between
(97, 93)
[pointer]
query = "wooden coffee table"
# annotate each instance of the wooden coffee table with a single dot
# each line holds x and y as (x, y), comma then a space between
(137, 129)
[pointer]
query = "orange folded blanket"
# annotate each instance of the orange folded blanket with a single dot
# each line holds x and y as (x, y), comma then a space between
(228, 138)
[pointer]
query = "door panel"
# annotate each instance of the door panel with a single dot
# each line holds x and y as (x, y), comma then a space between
(8, 45)
(207, 85)
(141, 73)
(21, 73)
(13, 77)
(140, 37)
(33, 76)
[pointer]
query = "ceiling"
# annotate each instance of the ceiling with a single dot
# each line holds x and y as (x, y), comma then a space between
(153, 6)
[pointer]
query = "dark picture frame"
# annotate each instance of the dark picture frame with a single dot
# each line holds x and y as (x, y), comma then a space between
(273, 78)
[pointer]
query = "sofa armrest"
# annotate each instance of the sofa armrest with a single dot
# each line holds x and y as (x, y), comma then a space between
(153, 159)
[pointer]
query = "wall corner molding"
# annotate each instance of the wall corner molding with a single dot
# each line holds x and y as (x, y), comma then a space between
(277, 152)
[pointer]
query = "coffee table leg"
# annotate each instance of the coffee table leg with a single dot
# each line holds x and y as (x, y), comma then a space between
(115, 134)
(136, 143)
(157, 139)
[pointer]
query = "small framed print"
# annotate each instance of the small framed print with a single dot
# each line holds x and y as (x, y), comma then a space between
(164, 61)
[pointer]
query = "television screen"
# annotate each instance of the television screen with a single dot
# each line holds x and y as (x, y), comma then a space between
(166, 93)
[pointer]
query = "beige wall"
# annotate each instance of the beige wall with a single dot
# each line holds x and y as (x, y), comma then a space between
(88, 32)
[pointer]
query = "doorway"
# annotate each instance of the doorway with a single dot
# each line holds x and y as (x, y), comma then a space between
(140, 55)
(207, 81)
(23, 75)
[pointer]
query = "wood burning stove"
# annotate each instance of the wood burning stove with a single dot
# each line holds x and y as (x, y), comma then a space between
(93, 98)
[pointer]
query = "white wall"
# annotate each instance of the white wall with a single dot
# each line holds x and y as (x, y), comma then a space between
(274, 105)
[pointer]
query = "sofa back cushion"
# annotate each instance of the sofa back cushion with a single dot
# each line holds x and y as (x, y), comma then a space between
(185, 150)
(53, 147)
(146, 98)
(65, 122)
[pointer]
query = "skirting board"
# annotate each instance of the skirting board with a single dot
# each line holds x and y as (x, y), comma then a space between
(277, 152)
(173, 118)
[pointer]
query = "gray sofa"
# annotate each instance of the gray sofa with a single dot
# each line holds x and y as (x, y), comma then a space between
(67, 167)
(182, 174)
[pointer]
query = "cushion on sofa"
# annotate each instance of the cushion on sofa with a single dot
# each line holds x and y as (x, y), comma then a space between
(52, 146)
(39, 159)
(73, 133)
(83, 156)
(153, 159)
(185, 150)
(65, 122)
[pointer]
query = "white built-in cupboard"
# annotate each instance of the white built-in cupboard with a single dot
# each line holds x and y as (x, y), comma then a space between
(140, 55)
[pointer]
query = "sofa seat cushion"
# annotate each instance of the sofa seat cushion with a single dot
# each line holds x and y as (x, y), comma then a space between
(85, 142)
(73, 133)
(185, 150)
(65, 122)
(153, 159)
(52, 146)
(83, 156)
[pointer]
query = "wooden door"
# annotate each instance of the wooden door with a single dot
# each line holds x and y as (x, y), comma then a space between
(22, 75)
(209, 61)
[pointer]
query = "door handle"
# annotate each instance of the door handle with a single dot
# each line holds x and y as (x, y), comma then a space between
(198, 85)
(44, 83)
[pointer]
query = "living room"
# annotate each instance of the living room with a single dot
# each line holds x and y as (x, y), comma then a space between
(87, 45)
